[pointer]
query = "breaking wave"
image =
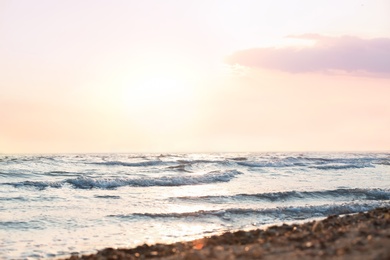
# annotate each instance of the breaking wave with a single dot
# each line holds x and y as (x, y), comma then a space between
(362, 194)
(112, 183)
(281, 213)
(211, 177)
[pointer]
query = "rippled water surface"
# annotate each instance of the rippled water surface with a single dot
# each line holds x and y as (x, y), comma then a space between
(54, 205)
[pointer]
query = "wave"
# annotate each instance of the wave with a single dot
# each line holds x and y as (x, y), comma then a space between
(130, 164)
(41, 185)
(270, 164)
(204, 161)
(177, 180)
(61, 173)
(179, 168)
(312, 162)
(280, 213)
(22, 225)
(173, 163)
(321, 163)
(179, 162)
(341, 166)
(26, 158)
(112, 183)
(242, 158)
(383, 162)
(362, 194)
(107, 197)
(13, 199)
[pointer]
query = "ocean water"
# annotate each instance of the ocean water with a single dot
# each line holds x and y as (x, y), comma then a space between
(55, 205)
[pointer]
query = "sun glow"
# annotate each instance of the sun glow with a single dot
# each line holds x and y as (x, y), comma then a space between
(161, 96)
(156, 91)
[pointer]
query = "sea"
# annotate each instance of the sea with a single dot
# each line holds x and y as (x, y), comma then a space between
(55, 205)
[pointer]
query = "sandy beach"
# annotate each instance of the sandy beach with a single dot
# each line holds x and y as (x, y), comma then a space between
(358, 236)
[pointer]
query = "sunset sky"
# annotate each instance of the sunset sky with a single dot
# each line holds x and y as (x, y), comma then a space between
(194, 76)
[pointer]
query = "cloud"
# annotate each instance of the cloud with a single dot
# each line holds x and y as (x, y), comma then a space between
(346, 54)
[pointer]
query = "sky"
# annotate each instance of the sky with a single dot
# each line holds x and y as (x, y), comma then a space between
(194, 76)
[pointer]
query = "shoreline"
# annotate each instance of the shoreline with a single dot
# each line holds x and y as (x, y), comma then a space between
(363, 235)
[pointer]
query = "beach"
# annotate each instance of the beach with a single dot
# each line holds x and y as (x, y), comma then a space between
(363, 235)
(55, 206)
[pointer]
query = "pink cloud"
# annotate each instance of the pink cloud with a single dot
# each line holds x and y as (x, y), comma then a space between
(346, 54)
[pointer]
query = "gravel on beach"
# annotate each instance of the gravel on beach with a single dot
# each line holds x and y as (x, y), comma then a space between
(358, 236)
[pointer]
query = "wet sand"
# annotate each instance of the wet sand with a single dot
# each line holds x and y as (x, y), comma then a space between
(358, 236)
